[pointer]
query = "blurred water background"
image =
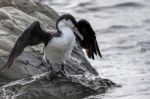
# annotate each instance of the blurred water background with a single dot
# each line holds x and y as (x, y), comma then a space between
(123, 33)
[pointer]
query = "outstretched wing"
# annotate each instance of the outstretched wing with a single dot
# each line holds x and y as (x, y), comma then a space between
(89, 42)
(33, 35)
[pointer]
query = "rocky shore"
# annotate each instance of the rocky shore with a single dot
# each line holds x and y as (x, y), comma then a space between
(29, 78)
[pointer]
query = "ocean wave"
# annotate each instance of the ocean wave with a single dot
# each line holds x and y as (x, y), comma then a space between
(116, 6)
(144, 45)
(128, 4)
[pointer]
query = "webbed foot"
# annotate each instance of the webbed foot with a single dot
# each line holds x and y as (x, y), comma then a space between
(59, 74)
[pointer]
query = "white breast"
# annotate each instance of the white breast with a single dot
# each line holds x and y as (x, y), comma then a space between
(59, 48)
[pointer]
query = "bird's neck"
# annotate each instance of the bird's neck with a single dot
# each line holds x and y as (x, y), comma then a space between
(61, 26)
(67, 32)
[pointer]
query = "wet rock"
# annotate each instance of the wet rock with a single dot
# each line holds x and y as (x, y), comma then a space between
(41, 86)
(4, 3)
(4, 15)
(14, 19)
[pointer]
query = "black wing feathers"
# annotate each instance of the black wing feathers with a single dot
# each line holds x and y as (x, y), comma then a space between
(89, 43)
(33, 35)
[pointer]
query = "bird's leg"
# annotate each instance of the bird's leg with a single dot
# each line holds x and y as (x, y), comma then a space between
(53, 74)
(62, 67)
(63, 72)
(58, 74)
(51, 67)
(47, 61)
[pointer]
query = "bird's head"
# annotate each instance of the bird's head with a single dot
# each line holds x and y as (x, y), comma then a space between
(68, 21)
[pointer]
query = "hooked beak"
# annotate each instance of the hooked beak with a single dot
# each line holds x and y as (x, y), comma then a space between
(75, 30)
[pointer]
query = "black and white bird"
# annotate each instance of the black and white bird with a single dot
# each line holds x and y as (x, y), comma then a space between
(59, 45)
